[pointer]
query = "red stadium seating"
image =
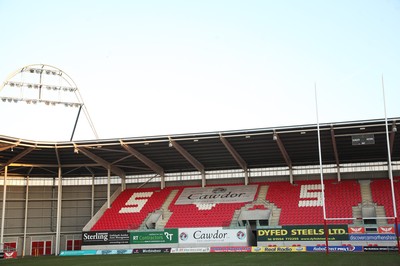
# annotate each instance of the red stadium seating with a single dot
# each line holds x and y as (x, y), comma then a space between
(130, 216)
(303, 207)
(192, 216)
(382, 194)
(300, 204)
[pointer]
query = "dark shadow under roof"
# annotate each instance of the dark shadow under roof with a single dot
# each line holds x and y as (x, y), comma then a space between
(241, 149)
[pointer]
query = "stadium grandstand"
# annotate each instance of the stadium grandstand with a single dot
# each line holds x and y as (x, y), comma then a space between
(296, 188)
(52, 192)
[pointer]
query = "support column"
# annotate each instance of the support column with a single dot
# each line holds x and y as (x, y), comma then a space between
(246, 177)
(338, 173)
(123, 183)
(3, 211)
(291, 174)
(92, 203)
(59, 199)
(203, 179)
(108, 187)
(26, 216)
(163, 181)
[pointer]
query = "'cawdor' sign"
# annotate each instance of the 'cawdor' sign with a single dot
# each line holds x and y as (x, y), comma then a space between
(223, 194)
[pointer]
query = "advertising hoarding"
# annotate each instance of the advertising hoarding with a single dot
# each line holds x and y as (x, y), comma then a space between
(215, 195)
(303, 233)
(105, 237)
(212, 235)
(154, 237)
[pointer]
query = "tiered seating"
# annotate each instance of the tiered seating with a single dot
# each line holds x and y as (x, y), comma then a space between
(340, 198)
(382, 195)
(202, 216)
(302, 203)
(129, 212)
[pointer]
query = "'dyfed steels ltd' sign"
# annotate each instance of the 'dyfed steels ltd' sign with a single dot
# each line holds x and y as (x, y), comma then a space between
(105, 238)
(303, 233)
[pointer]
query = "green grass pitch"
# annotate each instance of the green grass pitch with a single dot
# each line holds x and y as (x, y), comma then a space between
(193, 259)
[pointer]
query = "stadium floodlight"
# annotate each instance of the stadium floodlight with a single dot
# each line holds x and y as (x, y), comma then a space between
(57, 89)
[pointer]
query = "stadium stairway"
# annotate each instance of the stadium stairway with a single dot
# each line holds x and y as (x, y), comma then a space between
(382, 196)
(156, 221)
(259, 204)
(368, 202)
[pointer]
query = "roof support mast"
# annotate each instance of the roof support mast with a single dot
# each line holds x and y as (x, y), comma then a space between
(335, 153)
(193, 161)
(284, 154)
(237, 158)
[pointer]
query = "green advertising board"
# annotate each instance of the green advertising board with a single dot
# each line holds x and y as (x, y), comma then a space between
(303, 233)
(154, 237)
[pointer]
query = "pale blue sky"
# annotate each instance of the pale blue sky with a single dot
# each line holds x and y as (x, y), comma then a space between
(170, 67)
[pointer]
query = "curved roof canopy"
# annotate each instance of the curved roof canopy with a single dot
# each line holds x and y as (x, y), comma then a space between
(345, 142)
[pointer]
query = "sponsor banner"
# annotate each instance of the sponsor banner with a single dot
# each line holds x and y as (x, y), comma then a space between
(105, 237)
(190, 250)
(380, 249)
(211, 235)
(334, 249)
(386, 230)
(230, 249)
(303, 233)
(114, 252)
(10, 255)
(154, 237)
(356, 230)
(278, 249)
(222, 194)
(77, 252)
(150, 250)
(372, 237)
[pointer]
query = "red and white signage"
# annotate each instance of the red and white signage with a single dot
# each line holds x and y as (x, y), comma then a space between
(386, 230)
(357, 230)
(10, 255)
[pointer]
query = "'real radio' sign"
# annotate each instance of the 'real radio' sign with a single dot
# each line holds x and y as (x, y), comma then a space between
(303, 233)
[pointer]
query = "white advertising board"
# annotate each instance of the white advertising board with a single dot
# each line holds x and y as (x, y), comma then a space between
(218, 194)
(212, 235)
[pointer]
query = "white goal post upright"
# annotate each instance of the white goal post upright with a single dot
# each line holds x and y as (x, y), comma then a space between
(321, 173)
(390, 170)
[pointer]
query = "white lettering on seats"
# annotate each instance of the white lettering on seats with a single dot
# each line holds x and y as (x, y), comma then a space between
(136, 199)
(311, 195)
